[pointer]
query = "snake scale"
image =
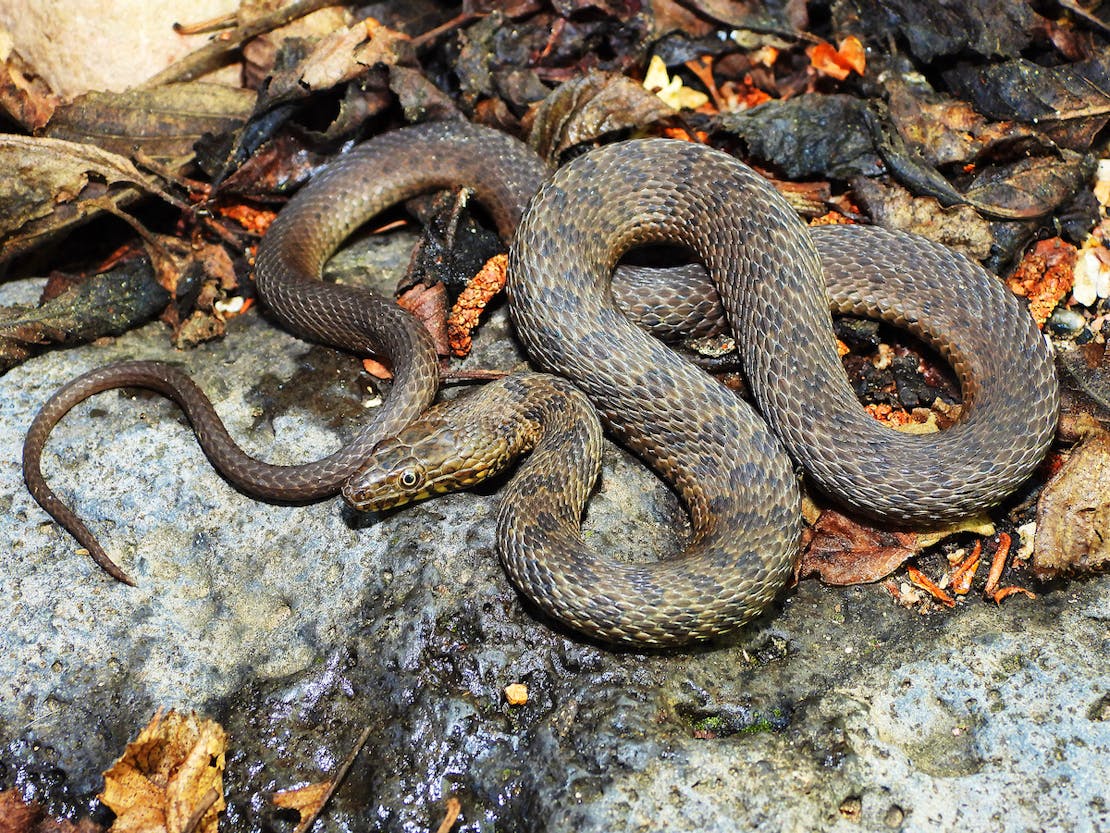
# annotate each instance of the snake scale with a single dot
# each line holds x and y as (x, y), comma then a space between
(776, 282)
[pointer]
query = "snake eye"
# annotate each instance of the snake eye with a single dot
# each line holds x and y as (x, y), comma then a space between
(410, 478)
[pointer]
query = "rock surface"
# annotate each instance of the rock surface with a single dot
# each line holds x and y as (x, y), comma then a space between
(298, 626)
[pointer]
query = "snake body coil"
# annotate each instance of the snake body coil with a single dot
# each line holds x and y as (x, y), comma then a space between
(726, 463)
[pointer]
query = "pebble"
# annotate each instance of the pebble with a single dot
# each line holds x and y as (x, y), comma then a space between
(1066, 322)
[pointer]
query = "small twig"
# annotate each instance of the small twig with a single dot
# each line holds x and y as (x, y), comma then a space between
(453, 810)
(210, 56)
(443, 28)
(143, 159)
(203, 27)
(206, 802)
(336, 781)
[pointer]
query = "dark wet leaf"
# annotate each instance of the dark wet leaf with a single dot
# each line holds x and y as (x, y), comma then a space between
(1031, 187)
(55, 184)
(809, 135)
(617, 9)
(498, 60)
(278, 168)
(985, 27)
(1069, 103)
(164, 122)
(107, 304)
(589, 107)
(1073, 515)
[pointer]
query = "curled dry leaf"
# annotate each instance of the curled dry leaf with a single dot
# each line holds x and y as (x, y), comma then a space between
(168, 777)
(343, 55)
(1073, 515)
(306, 800)
(52, 184)
(25, 97)
(590, 106)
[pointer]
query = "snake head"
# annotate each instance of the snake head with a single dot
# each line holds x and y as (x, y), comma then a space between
(441, 452)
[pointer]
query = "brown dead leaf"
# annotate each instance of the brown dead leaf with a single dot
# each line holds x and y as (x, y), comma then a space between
(164, 122)
(1084, 389)
(1073, 515)
(845, 551)
(947, 130)
(306, 800)
(590, 106)
(19, 816)
(169, 777)
(1031, 187)
(345, 54)
(429, 305)
(24, 96)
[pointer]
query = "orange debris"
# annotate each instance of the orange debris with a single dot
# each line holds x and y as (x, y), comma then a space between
(470, 303)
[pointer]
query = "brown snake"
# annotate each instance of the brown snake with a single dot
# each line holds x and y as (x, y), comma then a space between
(726, 464)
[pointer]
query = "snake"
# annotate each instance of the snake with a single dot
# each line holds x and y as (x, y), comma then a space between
(730, 464)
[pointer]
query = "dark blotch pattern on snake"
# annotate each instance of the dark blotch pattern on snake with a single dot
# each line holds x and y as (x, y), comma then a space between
(726, 463)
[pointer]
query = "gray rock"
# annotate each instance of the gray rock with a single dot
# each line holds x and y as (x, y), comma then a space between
(298, 626)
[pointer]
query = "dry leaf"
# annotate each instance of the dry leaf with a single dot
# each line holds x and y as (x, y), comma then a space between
(1073, 515)
(165, 122)
(959, 227)
(838, 63)
(588, 107)
(670, 88)
(169, 774)
(429, 306)
(306, 800)
(24, 96)
(844, 551)
(19, 816)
